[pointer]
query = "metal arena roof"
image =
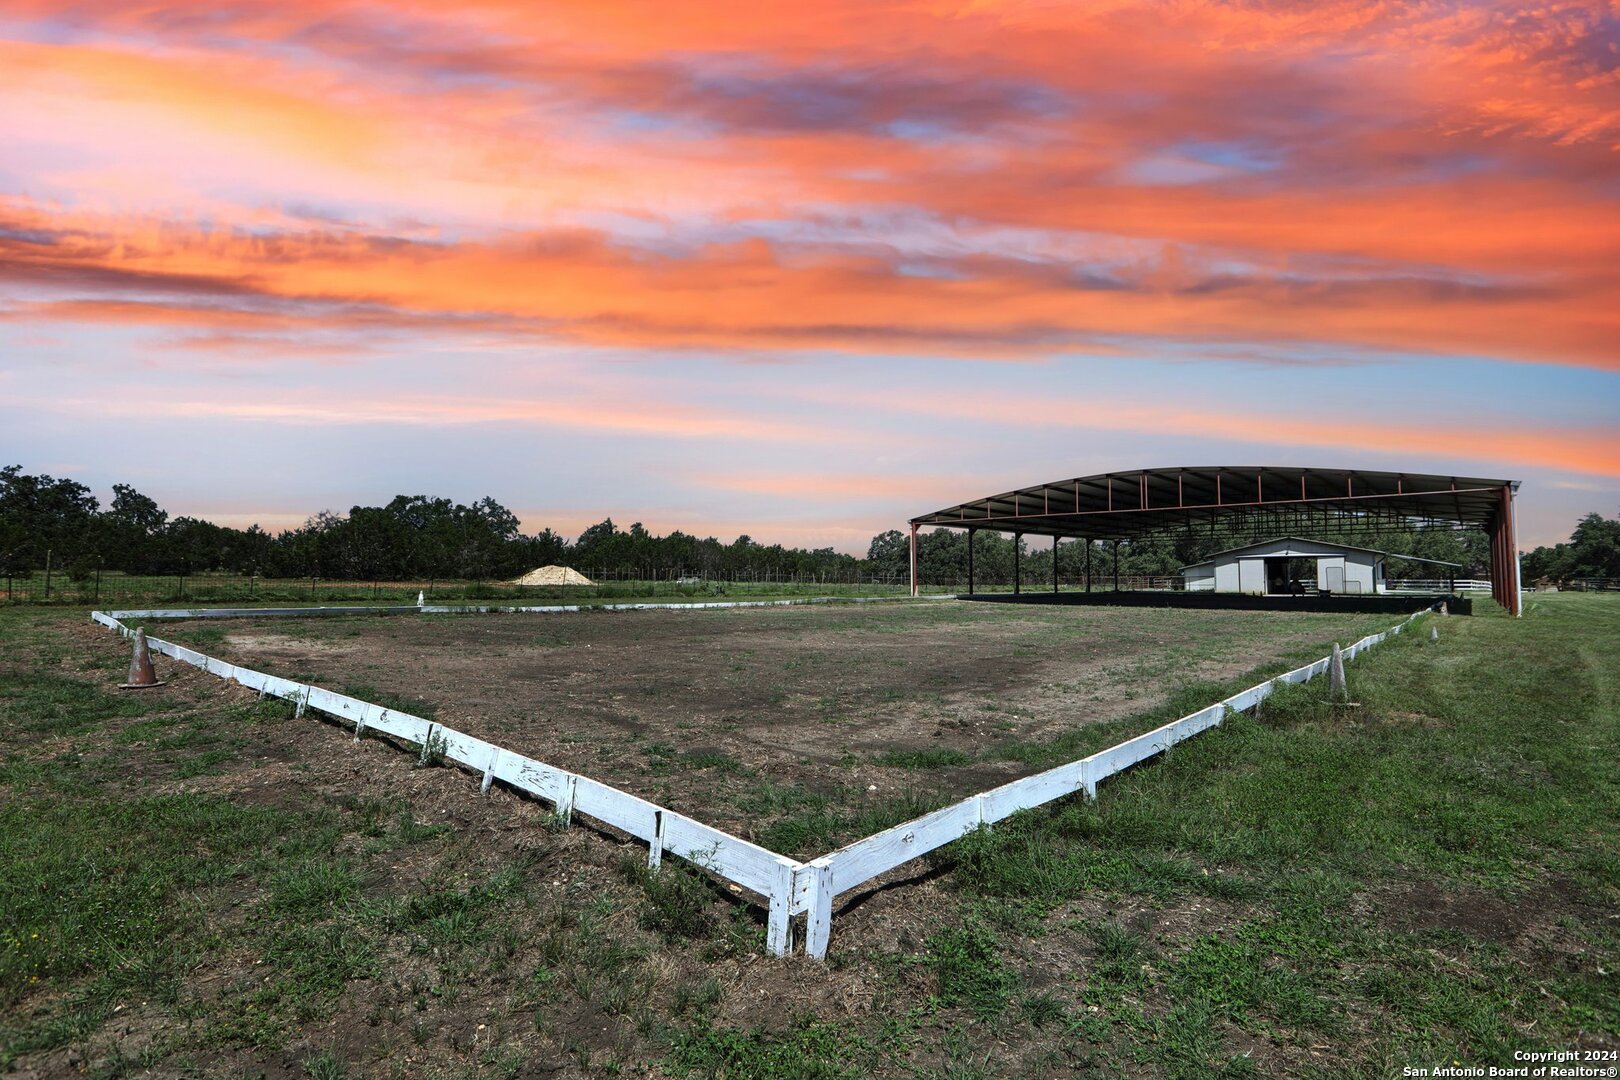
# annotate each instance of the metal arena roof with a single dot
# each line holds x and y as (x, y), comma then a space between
(1285, 500)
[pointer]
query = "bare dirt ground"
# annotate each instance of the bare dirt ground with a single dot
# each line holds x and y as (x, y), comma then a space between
(698, 710)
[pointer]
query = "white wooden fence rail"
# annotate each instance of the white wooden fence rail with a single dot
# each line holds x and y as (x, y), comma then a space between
(788, 887)
(1439, 585)
(820, 881)
(664, 831)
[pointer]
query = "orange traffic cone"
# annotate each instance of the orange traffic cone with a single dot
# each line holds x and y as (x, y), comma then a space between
(141, 673)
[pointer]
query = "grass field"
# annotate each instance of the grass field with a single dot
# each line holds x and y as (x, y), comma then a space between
(192, 882)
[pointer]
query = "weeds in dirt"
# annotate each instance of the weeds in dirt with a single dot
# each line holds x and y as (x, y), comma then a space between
(809, 1049)
(678, 900)
(923, 759)
(432, 751)
(323, 1066)
(967, 964)
(806, 823)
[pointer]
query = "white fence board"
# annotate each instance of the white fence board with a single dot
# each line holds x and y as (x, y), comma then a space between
(1043, 787)
(535, 777)
(339, 705)
(882, 852)
(400, 725)
(253, 680)
(749, 865)
(258, 612)
(1248, 699)
(609, 805)
(1306, 673)
(283, 688)
(466, 750)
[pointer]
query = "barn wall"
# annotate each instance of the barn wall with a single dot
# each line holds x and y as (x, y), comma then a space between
(1358, 574)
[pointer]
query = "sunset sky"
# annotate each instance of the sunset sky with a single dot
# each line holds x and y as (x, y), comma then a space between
(803, 270)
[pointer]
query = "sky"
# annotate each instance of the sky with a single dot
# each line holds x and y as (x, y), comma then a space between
(803, 271)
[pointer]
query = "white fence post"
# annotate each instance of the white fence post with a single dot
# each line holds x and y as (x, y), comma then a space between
(779, 923)
(655, 849)
(489, 771)
(818, 909)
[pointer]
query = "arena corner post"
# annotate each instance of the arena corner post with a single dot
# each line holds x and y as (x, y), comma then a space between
(818, 908)
(913, 558)
(779, 921)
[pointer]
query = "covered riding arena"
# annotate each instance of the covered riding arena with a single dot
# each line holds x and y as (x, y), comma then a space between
(1282, 501)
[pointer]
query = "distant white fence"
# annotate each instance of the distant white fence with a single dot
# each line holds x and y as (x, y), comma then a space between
(1439, 585)
(788, 887)
(487, 609)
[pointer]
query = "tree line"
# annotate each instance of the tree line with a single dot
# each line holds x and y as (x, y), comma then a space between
(1593, 551)
(416, 537)
(413, 537)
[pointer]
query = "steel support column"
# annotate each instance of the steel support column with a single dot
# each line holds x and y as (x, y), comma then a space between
(970, 560)
(1116, 566)
(1089, 546)
(1054, 563)
(1018, 540)
(1505, 584)
(913, 559)
(1513, 553)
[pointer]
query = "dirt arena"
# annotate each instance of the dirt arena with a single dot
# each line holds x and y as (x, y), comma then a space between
(739, 716)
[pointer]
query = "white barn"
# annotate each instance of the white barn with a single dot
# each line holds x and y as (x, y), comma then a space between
(1290, 564)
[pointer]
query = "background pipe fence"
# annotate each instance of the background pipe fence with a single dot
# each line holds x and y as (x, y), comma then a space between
(41, 586)
(92, 584)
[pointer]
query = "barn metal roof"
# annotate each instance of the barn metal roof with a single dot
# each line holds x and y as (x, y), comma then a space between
(1283, 499)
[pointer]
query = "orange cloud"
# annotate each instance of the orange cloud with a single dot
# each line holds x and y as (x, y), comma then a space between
(1593, 451)
(1408, 178)
(584, 287)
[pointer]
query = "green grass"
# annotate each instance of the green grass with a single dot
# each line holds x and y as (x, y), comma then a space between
(1426, 877)
(804, 823)
(1483, 765)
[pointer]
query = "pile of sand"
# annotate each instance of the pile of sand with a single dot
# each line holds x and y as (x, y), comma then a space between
(554, 575)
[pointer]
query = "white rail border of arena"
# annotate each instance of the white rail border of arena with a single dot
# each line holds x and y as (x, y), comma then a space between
(789, 887)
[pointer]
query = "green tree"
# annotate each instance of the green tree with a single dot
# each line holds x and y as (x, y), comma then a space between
(40, 514)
